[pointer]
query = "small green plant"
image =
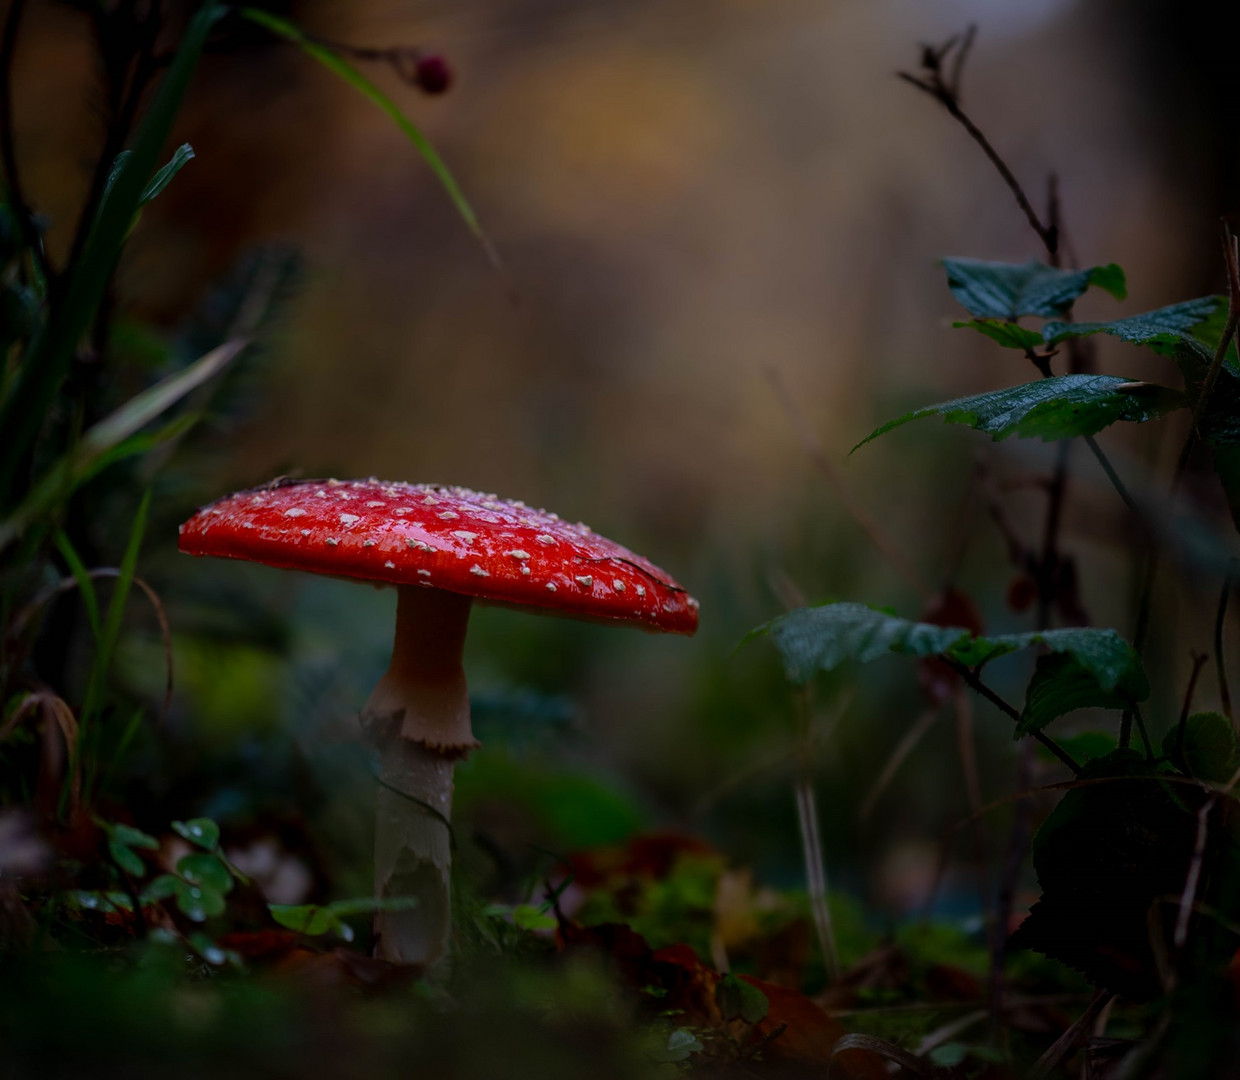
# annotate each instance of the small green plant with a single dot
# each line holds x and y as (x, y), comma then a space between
(1137, 886)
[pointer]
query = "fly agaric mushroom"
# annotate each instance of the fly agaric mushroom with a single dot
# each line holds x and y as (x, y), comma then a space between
(443, 548)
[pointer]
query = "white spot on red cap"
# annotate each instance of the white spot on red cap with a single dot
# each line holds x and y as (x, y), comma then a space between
(478, 571)
(390, 565)
(543, 538)
(348, 519)
(617, 584)
(447, 515)
(585, 581)
(517, 553)
(468, 537)
(551, 586)
(332, 541)
(294, 511)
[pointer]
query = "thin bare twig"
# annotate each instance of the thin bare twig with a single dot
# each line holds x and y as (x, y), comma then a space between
(1220, 628)
(947, 93)
(1047, 1064)
(1189, 896)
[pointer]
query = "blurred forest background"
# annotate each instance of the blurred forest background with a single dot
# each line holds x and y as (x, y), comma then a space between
(695, 204)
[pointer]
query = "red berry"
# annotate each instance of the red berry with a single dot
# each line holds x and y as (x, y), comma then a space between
(433, 74)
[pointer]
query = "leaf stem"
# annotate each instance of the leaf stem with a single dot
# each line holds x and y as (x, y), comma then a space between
(974, 683)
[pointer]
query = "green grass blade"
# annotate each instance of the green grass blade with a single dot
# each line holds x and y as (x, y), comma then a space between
(85, 585)
(111, 630)
(346, 71)
(45, 366)
(112, 438)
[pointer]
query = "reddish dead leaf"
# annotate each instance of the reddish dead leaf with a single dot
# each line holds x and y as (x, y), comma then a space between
(808, 1036)
(268, 945)
(650, 856)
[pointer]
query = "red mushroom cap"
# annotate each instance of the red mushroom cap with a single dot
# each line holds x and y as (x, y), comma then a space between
(442, 538)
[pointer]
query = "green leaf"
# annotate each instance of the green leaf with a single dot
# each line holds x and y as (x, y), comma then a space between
(1162, 330)
(529, 917)
(163, 887)
(305, 918)
(127, 834)
(43, 370)
(1057, 408)
(1061, 685)
(346, 71)
(1008, 334)
(315, 919)
(680, 1044)
(995, 290)
(206, 871)
(126, 858)
(1107, 658)
(739, 1000)
(200, 830)
(1210, 751)
(199, 902)
(813, 639)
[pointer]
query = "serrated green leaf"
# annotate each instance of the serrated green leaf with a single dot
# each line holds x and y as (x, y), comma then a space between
(1056, 408)
(126, 858)
(1105, 655)
(1210, 750)
(1162, 329)
(995, 290)
(1008, 334)
(206, 871)
(814, 639)
(201, 831)
(1061, 685)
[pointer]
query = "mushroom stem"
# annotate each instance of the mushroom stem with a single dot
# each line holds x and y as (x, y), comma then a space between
(418, 716)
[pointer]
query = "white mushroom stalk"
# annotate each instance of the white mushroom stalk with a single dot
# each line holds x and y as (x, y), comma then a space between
(418, 718)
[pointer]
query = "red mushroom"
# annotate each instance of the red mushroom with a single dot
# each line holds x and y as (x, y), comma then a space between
(443, 548)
